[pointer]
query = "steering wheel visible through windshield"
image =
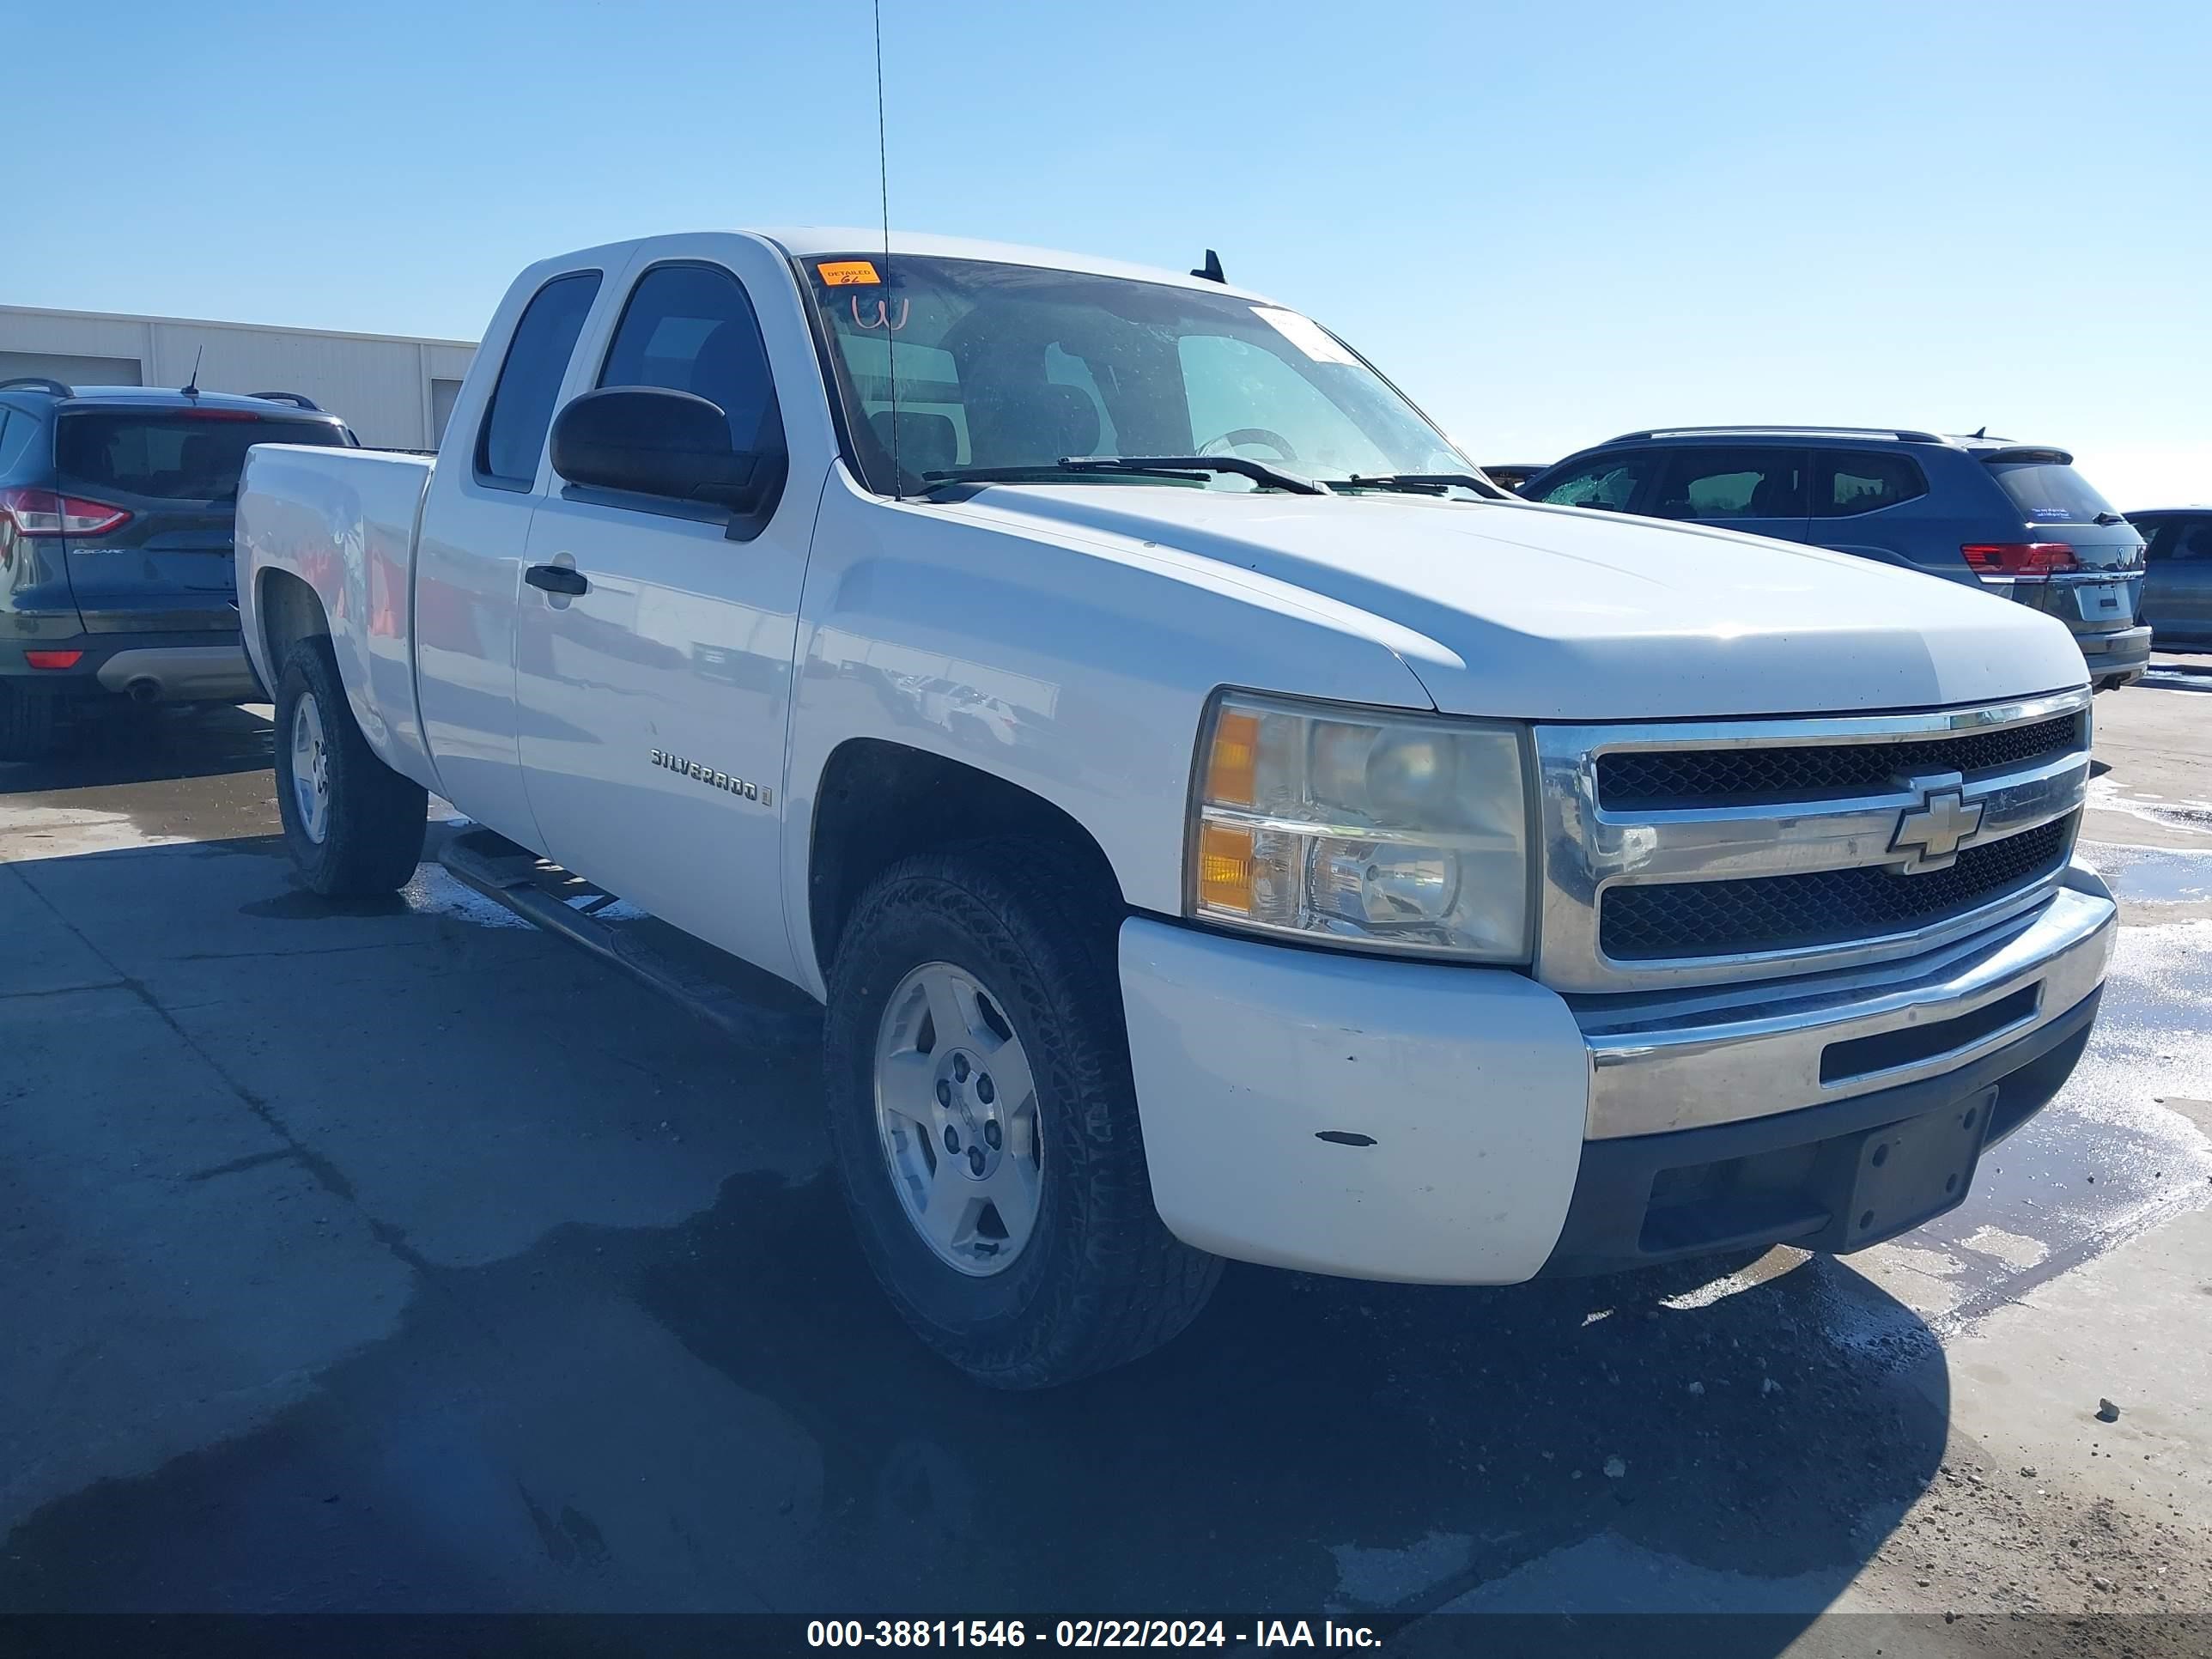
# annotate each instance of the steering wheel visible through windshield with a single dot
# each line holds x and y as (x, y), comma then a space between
(1003, 367)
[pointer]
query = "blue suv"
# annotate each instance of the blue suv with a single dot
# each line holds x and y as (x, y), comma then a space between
(116, 578)
(2014, 518)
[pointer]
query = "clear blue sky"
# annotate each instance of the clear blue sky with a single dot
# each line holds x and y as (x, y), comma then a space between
(1548, 222)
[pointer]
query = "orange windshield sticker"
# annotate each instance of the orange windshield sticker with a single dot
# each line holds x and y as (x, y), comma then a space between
(848, 273)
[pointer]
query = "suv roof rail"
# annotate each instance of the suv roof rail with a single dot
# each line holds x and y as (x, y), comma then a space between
(1901, 435)
(298, 400)
(44, 383)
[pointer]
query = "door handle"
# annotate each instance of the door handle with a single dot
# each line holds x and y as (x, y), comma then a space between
(556, 579)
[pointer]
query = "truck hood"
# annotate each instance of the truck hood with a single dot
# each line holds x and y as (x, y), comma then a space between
(1532, 612)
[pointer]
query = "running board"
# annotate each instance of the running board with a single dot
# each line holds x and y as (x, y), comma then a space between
(550, 898)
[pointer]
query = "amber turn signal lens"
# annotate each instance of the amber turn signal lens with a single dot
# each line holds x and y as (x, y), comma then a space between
(1225, 866)
(1233, 767)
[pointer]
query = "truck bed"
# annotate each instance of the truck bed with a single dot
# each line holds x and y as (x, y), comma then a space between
(344, 522)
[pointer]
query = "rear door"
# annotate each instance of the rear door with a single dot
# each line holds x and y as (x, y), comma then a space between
(165, 485)
(2058, 504)
(468, 559)
(1864, 503)
(1759, 489)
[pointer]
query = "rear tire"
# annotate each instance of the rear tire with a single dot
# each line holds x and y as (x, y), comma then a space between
(1094, 1279)
(353, 826)
(28, 729)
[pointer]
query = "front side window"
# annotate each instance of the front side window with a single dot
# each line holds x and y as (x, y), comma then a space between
(1848, 482)
(1001, 366)
(179, 455)
(691, 328)
(1609, 482)
(513, 436)
(1707, 484)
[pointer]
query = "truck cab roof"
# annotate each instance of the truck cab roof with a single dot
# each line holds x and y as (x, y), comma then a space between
(807, 241)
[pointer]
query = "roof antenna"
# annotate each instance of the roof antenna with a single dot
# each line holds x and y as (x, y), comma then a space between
(192, 387)
(884, 180)
(1211, 270)
(1983, 430)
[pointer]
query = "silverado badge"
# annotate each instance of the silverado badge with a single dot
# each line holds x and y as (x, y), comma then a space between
(714, 779)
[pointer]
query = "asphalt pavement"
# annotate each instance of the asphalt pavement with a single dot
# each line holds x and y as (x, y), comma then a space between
(395, 1256)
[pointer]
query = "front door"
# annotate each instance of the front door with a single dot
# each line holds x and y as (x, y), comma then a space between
(653, 702)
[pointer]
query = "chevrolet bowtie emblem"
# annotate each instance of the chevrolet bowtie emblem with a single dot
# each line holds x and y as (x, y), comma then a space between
(1931, 834)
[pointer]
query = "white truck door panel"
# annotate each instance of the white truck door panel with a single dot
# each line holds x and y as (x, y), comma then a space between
(469, 562)
(654, 705)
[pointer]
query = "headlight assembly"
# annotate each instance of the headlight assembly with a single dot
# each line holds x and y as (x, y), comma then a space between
(1385, 831)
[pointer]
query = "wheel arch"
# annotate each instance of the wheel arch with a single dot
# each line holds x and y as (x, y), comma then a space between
(288, 610)
(879, 802)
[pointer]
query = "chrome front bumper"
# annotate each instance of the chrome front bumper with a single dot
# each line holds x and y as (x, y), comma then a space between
(1683, 1060)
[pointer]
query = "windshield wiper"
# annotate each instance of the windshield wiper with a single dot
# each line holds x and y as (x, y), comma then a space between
(1269, 477)
(1186, 469)
(1044, 472)
(1426, 484)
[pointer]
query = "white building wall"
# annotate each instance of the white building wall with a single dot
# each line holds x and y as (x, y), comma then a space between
(381, 385)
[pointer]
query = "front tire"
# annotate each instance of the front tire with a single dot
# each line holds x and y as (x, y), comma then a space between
(353, 826)
(985, 1122)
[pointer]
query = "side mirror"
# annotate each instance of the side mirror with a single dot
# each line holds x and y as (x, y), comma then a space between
(651, 440)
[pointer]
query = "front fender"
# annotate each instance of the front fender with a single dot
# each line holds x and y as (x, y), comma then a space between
(1078, 672)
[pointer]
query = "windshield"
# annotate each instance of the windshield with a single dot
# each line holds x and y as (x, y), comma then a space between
(187, 454)
(1013, 366)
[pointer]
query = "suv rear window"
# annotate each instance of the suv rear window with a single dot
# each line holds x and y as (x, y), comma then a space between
(2048, 492)
(191, 455)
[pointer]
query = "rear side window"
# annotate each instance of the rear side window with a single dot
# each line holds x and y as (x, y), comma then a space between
(2047, 492)
(1847, 482)
(1610, 482)
(513, 436)
(187, 455)
(1733, 484)
(691, 328)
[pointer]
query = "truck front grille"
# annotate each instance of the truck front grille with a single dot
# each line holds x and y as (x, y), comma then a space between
(1824, 907)
(1665, 779)
(1711, 852)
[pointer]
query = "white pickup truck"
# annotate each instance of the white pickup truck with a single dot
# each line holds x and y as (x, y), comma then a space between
(1218, 822)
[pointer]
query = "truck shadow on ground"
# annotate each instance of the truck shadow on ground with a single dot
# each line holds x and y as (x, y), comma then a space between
(126, 744)
(726, 1414)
